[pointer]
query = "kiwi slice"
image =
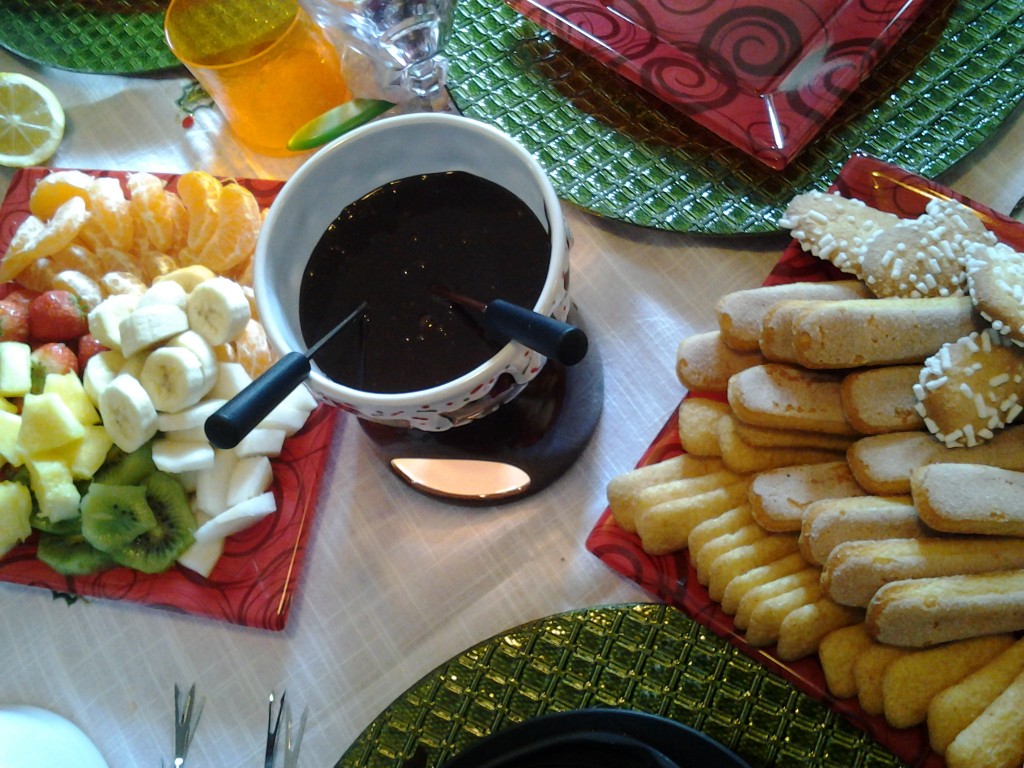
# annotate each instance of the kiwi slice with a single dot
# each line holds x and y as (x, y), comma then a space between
(72, 525)
(122, 468)
(156, 550)
(114, 515)
(72, 555)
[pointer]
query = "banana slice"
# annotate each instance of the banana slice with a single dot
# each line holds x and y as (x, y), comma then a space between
(101, 369)
(127, 413)
(148, 326)
(188, 277)
(201, 348)
(250, 477)
(237, 518)
(177, 456)
(105, 319)
(173, 379)
(218, 310)
(166, 292)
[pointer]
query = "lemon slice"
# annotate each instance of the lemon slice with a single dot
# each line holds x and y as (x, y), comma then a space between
(334, 122)
(31, 121)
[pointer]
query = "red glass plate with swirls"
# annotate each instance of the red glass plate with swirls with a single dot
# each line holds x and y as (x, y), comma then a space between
(765, 76)
(255, 580)
(673, 578)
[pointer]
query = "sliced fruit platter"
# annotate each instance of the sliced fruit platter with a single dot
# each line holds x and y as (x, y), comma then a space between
(127, 318)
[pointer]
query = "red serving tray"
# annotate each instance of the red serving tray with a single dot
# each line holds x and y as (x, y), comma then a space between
(255, 580)
(765, 76)
(673, 578)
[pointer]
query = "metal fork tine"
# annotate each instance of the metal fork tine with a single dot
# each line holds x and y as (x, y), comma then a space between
(292, 742)
(186, 720)
(273, 728)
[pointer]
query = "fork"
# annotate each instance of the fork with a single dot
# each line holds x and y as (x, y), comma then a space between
(273, 728)
(186, 719)
(293, 740)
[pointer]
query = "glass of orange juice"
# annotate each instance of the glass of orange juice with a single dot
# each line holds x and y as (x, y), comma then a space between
(266, 64)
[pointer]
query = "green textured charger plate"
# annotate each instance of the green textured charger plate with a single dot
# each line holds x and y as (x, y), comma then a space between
(95, 36)
(620, 153)
(648, 658)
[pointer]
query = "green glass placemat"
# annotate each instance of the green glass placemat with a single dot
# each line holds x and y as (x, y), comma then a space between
(648, 658)
(618, 152)
(95, 36)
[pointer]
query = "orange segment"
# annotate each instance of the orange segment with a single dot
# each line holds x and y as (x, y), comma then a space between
(200, 192)
(54, 235)
(238, 227)
(253, 350)
(159, 215)
(55, 189)
(111, 223)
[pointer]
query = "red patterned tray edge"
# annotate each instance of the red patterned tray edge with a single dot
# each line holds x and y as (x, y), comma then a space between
(255, 581)
(772, 126)
(673, 578)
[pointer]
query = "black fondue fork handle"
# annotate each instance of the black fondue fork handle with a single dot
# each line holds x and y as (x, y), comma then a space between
(240, 415)
(550, 337)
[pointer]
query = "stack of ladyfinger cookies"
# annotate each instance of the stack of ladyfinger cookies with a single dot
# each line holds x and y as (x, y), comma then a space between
(853, 478)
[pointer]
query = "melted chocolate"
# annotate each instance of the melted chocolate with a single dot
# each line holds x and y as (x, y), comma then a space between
(390, 248)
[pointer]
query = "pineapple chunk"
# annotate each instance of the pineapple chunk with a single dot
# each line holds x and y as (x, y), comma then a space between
(46, 423)
(15, 508)
(91, 451)
(83, 456)
(55, 489)
(69, 388)
(15, 368)
(10, 425)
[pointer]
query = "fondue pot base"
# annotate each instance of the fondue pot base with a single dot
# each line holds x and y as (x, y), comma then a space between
(519, 449)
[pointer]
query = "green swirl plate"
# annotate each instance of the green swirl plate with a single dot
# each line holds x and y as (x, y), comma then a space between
(94, 36)
(620, 153)
(649, 658)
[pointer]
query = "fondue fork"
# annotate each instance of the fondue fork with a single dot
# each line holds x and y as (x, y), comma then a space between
(550, 337)
(239, 415)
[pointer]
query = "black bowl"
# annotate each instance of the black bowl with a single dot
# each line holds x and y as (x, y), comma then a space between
(597, 738)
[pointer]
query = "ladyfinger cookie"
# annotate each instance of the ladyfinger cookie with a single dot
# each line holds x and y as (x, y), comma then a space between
(779, 497)
(741, 313)
(970, 498)
(742, 457)
(856, 570)
(704, 363)
(865, 332)
(996, 737)
(880, 400)
(827, 523)
(789, 397)
(777, 327)
(917, 613)
(623, 491)
(882, 464)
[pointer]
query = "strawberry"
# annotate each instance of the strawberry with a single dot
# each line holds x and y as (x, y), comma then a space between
(14, 321)
(20, 294)
(88, 345)
(53, 357)
(57, 316)
(7, 288)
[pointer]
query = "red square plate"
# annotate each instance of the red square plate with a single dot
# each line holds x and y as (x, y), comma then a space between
(765, 76)
(672, 577)
(255, 580)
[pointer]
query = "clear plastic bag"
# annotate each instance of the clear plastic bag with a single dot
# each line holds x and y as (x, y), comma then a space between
(390, 49)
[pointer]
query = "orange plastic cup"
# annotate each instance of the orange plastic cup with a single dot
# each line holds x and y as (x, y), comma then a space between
(267, 65)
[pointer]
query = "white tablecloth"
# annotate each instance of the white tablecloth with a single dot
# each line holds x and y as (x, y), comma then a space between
(394, 582)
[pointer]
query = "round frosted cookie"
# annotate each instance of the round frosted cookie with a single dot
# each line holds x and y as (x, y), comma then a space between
(995, 281)
(923, 257)
(970, 388)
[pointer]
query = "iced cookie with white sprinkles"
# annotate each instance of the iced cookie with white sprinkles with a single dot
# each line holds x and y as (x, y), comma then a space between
(995, 281)
(971, 388)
